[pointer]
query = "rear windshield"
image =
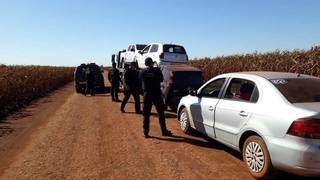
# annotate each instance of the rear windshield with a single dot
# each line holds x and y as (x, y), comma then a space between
(140, 46)
(174, 49)
(188, 78)
(299, 90)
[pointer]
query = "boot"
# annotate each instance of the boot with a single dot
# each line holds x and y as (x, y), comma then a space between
(167, 133)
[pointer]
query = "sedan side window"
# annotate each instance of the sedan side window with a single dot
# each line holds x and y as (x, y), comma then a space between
(213, 89)
(242, 90)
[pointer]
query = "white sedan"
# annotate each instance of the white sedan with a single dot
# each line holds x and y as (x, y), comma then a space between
(273, 118)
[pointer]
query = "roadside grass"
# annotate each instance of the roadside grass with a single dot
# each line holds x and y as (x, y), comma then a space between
(297, 61)
(19, 85)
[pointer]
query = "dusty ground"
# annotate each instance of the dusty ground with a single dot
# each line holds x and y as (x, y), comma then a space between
(69, 136)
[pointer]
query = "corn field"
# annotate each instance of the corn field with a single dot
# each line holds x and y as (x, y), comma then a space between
(19, 85)
(298, 61)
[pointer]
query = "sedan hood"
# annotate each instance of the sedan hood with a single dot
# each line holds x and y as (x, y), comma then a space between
(314, 106)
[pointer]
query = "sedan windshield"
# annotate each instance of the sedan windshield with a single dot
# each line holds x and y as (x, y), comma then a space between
(299, 90)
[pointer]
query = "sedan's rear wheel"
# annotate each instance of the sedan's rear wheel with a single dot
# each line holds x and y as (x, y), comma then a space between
(257, 158)
(184, 121)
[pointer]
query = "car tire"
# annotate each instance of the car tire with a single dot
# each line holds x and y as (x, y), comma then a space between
(185, 121)
(257, 159)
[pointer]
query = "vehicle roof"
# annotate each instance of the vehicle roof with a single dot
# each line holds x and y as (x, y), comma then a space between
(180, 67)
(166, 44)
(274, 75)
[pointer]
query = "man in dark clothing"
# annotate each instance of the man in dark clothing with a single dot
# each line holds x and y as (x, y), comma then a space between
(114, 79)
(90, 81)
(151, 80)
(131, 81)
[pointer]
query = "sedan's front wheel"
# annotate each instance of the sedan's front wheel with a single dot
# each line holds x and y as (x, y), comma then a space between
(184, 121)
(257, 158)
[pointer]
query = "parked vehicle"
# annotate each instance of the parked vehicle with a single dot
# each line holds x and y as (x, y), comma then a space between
(162, 54)
(80, 78)
(81, 81)
(120, 59)
(98, 77)
(125, 57)
(178, 79)
(133, 51)
(273, 118)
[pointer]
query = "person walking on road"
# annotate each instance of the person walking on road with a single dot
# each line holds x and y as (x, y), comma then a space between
(90, 81)
(131, 81)
(114, 79)
(151, 79)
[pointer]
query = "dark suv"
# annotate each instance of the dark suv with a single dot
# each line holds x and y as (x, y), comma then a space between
(178, 80)
(80, 78)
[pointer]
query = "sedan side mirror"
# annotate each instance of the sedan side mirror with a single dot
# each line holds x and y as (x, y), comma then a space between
(193, 92)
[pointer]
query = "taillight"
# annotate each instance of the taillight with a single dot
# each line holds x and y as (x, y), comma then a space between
(161, 56)
(305, 128)
(170, 78)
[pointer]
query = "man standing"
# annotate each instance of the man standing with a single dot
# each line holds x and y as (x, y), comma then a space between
(151, 80)
(90, 81)
(114, 79)
(131, 81)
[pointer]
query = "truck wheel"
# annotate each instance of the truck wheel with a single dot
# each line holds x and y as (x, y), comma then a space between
(185, 121)
(257, 158)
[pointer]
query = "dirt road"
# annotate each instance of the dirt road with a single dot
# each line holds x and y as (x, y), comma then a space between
(70, 136)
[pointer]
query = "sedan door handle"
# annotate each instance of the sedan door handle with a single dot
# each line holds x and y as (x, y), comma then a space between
(243, 114)
(211, 108)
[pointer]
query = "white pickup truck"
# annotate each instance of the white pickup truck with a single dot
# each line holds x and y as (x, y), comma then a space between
(132, 52)
(162, 54)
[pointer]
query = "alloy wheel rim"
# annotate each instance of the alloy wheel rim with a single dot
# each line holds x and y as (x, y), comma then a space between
(254, 157)
(183, 120)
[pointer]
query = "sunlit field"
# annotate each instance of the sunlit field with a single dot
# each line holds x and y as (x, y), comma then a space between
(21, 84)
(298, 61)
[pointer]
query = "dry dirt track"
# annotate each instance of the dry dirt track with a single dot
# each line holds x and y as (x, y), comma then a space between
(69, 136)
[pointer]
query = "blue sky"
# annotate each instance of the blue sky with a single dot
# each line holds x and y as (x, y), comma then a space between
(69, 32)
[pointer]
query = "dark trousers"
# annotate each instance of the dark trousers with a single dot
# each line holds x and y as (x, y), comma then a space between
(157, 100)
(114, 91)
(135, 94)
